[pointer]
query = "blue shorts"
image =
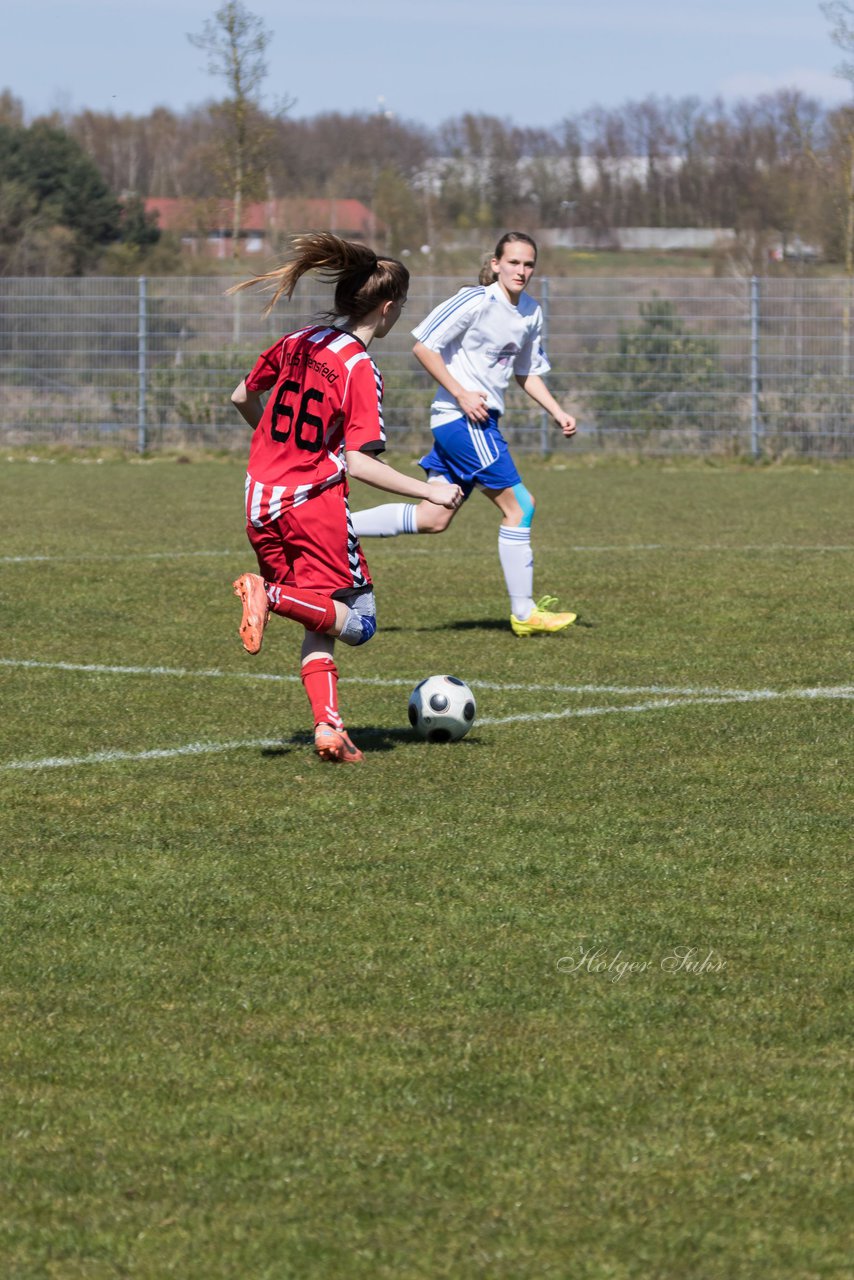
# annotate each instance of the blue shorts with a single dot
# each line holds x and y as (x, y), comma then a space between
(471, 453)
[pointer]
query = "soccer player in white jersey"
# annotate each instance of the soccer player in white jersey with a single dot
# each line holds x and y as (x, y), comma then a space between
(472, 344)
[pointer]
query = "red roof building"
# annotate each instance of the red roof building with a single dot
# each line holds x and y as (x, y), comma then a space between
(206, 226)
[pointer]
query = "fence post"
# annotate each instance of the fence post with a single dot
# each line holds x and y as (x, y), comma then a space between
(755, 445)
(236, 321)
(142, 364)
(544, 417)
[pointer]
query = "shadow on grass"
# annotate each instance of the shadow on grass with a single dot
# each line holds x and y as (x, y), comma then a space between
(369, 737)
(466, 624)
(479, 624)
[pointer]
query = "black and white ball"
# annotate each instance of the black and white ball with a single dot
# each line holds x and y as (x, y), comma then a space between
(441, 709)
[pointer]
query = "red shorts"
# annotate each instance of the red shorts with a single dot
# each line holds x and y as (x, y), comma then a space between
(314, 546)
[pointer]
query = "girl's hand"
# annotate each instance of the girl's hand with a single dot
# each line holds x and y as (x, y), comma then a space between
(473, 405)
(445, 495)
(566, 422)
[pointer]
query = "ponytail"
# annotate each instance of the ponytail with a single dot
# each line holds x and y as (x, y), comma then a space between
(363, 281)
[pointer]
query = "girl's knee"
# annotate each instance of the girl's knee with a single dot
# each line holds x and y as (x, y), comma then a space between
(358, 629)
(433, 519)
(360, 623)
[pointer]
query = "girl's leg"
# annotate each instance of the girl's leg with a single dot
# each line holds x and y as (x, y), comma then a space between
(514, 550)
(393, 518)
(259, 598)
(318, 671)
(319, 676)
(355, 623)
(527, 617)
(297, 572)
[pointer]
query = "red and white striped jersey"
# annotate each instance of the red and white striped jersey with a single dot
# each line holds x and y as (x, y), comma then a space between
(326, 398)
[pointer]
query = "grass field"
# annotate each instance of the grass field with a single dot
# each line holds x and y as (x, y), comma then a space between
(566, 999)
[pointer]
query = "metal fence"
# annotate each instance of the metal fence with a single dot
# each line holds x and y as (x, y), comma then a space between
(742, 367)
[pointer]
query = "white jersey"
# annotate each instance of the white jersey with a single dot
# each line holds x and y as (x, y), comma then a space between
(484, 340)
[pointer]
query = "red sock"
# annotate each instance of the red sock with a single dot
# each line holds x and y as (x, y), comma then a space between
(314, 611)
(320, 680)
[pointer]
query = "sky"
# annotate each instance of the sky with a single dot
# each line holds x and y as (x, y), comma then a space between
(532, 64)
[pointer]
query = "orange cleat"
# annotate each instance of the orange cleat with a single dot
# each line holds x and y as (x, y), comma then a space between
(250, 588)
(335, 747)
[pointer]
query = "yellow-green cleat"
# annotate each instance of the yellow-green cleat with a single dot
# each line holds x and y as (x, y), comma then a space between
(542, 621)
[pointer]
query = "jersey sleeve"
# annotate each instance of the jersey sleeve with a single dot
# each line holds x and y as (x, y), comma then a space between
(267, 368)
(450, 319)
(364, 429)
(532, 358)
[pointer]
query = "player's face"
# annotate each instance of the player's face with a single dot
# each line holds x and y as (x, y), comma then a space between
(515, 267)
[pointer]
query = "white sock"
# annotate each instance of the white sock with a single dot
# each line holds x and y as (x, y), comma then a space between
(386, 521)
(517, 561)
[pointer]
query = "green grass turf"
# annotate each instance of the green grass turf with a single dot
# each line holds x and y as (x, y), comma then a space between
(266, 1018)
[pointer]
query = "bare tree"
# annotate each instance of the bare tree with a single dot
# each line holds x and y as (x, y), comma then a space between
(11, 110)
(840, 15)
(235, 42)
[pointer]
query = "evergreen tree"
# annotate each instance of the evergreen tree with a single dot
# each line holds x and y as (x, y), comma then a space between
(58, 186)
(662, 376)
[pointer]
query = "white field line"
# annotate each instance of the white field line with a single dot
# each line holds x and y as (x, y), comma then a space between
(130, 555)
(774, 548)
(682, 698)
(407, 682)
(664, 704)
(167, 753)
(778, 548)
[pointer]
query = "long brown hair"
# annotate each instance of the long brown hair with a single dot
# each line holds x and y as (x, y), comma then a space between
(362, 279)
(487, 275)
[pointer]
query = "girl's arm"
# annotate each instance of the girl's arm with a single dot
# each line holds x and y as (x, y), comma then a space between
(248, 403)
(472, 403)
(533, 385)
(364, 467)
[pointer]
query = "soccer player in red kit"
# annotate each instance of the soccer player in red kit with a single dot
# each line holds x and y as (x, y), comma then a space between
(321, 421)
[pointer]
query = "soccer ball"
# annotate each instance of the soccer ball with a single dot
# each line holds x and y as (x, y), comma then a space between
(441, 709)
